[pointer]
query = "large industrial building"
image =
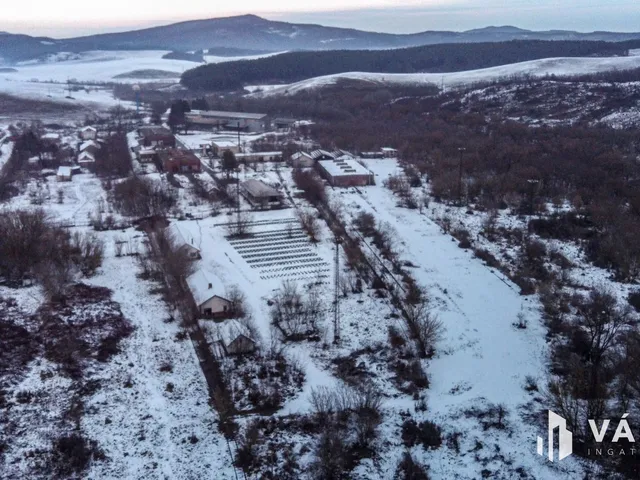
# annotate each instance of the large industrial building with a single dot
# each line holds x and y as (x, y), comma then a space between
(218, 120)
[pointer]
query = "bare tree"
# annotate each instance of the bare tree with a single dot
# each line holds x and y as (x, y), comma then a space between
(423, 327)
(309, 223)
(241, 226)
(295, 315)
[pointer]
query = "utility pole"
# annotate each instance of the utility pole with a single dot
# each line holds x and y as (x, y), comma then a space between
(461, 150)
(238, 196)
(336, 295)
(533, 183)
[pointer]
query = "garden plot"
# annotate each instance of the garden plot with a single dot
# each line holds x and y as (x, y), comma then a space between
(280, 249)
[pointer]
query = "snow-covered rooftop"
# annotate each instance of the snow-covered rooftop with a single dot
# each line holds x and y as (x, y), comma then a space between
(221, 114)
(320, 153)
(225, 143)
(86, 157)
(181, 235)
(257, 154)
(298, 155)
(343, 167)
(229, 330)
(256, 188)
(204, 286)
(89, 143)
(64, 171)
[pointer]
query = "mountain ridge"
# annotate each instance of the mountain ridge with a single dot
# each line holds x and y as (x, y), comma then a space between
(251, 32)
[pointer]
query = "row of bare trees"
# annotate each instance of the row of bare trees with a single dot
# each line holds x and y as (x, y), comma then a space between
(33, 247)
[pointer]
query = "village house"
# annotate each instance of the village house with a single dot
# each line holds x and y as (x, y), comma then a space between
(209, 295)
(87, 160)
(174, 160)
(51, 139)
(64, 174)
(302, 160)
(345, 172)
(231, 337)
(183, 240)
(153, 136)
(90, 146)
(283, 124)
(88, 133)
(260, 195)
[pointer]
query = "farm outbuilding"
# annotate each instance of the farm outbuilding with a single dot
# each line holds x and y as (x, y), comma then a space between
(345, 172)
(261, 195)
(64, 174)
(388, 152)
(209, 295)
(302, 160)
(233, 338)
(248, 122)
(259, 157)
(220, 146)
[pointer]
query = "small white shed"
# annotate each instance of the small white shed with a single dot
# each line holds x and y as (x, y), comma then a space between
(64, 174)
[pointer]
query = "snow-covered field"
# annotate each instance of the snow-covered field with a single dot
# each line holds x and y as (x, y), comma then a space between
(534, 68)
(483, 358)
(152, 432)
(47, 80)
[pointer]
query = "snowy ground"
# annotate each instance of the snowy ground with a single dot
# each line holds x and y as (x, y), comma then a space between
(82, 197)
(46, 80)
(483, 358)
(534, 68)
(150, 430)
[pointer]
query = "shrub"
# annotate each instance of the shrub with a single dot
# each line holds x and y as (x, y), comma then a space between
(71, 455)
(409, 469)
(426, 433)
(634, 300)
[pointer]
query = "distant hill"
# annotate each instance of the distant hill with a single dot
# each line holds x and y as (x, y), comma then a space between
(253, 33)
(297, 66)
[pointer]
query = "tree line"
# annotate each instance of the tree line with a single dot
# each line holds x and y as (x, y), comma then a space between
(296, 66)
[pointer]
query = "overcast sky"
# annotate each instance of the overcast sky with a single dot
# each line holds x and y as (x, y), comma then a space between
(60, 18)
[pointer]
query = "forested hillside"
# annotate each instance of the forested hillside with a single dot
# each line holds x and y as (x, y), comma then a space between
(296, 66)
